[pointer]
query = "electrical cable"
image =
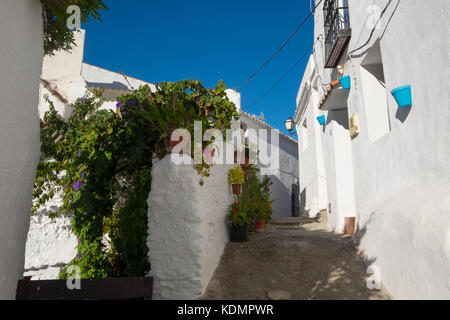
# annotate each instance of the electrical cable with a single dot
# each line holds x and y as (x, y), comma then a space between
(281, 79)
(373, 29)
(279, 50)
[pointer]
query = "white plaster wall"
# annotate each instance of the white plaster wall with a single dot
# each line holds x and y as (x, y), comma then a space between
(402, 180)
(402, 177)
(21, 50)
(312, 168)
(51, 243)
(187, 228)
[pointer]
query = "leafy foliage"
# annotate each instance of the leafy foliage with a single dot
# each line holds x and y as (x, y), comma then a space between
(54, 15)
(101, 160)
(236, 175)
(254, 203)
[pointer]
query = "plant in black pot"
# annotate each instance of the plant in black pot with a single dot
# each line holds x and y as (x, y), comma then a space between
(239, 222)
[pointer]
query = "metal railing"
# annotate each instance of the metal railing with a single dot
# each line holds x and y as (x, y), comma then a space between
(336, 18)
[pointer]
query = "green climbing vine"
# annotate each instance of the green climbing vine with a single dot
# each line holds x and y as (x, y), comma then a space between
(100, 161)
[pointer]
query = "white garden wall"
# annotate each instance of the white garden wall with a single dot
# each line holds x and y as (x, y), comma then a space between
(187, 228)
(51, 243)
(21, 51)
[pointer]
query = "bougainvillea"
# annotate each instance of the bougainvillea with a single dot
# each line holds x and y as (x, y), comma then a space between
(100, 161)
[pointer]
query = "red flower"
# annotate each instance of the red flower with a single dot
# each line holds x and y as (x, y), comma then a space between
(235, 210)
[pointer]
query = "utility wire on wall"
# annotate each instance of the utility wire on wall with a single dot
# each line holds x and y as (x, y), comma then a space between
(279, 50)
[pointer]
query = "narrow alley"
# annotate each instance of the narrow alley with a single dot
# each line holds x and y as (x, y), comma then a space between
(292, 259)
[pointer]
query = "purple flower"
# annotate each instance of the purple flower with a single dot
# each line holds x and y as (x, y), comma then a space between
(123, 113)
(124, 124)
(78, 185)
(79, 240)
(71, 213)
(83, 99)
(83, 175)
(79, 153)
(131, 102)
(80, 256)
(85, 214)
(119, 105)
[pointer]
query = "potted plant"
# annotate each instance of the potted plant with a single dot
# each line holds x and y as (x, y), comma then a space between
(260, 222)
(239, 222)
(236, 178)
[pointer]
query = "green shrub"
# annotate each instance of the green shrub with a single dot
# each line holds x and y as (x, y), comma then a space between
(236, 175)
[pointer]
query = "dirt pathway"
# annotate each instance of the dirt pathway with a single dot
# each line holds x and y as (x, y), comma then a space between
(302, 261)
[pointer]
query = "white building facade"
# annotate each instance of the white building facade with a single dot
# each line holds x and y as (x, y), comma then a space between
(377, 157)
(282, 167)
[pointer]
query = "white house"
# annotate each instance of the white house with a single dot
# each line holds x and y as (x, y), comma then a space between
(284, 172)
(382, 161)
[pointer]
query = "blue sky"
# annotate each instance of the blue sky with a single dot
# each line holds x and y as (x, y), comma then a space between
(207, 40)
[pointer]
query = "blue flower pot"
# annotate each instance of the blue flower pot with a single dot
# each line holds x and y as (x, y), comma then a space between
(322, 120)
(345, 82)
(402, 96)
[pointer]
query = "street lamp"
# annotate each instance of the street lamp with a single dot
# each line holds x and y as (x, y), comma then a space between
(290, 125)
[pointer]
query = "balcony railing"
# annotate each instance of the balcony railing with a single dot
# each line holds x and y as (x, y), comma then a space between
(337, 30)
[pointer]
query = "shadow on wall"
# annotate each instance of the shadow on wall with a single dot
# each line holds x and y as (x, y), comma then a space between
(281, 195)
(402, 114)
(308, 262)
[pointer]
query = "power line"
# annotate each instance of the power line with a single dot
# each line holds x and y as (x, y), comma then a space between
(279, 50)
(281, 79)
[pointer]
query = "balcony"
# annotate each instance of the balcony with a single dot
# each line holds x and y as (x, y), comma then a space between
(337, 30)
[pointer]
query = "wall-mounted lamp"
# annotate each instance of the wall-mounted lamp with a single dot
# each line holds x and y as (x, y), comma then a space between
(290, 125)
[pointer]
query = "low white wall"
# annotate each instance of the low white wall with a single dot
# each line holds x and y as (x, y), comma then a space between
(51, 243)
(21, 50)
(187, 228)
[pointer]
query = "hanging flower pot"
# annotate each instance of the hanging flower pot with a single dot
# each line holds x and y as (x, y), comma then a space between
(345, 82)
(237, 188)
(402, 96)
(322, 120)
(259, 226)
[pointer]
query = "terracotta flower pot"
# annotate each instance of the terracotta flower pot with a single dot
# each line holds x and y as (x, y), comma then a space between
(169, 144)
(237, 188)
(259, 226)
(350, 226)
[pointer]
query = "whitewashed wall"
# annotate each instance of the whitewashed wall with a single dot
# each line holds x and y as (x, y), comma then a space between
(313, 181)
(187, 228)
(21, 51)
(402, 180)
(401, 171)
